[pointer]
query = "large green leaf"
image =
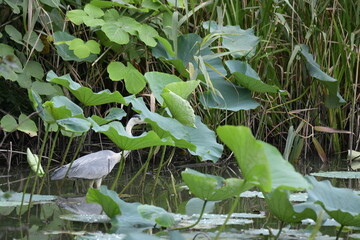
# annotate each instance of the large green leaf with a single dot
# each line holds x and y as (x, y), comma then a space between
(261, 164)
(61, 107)
(249, 154)
(238, 41)
(147, 34)
(248, 78)
(83, 94)
(14, 34)
(156, 214)
(201, 141)
(12, 65)
(37, 104)
(27, 125)
(279, 205)
(83, 49)
(76, 125)
(342, 204)
(128, 216)
(188, 51)
(8, 123)
(228, 96)
(118, 30)
(113, 114)
(283, 174)
(333, 99)
(183, 89)
(210, 187)
(134, 80)
(63, 49)
(157, 81)
(106, 199)
(116, 132)
(180, 108)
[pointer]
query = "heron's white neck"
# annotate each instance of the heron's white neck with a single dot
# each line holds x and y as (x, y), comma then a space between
(129, 126)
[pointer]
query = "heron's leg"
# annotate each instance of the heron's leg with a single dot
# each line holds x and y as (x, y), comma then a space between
(98, 183)
(91, 183)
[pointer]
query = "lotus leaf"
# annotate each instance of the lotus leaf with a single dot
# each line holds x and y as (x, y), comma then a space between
(261, 163)
(333, 98)
(342, 204)
(248, 78)
(116, 132)
(201, 141)
(157, 82)
(279, 205)
(212, 188)
(83, 94)
(180, 108)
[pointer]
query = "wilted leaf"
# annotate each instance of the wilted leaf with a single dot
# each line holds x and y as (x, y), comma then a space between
(330, 130)
(319, 150)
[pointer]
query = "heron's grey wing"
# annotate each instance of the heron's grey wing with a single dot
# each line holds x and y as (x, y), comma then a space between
(60, 172)
(95, 165)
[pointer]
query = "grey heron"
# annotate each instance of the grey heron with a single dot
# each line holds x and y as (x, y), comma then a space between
(95, 166)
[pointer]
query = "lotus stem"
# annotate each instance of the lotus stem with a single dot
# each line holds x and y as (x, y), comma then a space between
(49, 160)
(143, 167)
(159, 170)
(198, 220)
(120, 171)
(339, 232)
(280, 229)
(37, 170)
(235, 203)
(72, 160)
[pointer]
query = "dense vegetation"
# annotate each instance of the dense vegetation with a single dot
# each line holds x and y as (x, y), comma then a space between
(72, 72)
(288, 70)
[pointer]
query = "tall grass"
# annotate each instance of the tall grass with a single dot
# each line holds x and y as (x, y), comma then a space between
(331, 30)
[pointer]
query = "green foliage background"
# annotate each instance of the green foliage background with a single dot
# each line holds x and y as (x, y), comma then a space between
(296, 44)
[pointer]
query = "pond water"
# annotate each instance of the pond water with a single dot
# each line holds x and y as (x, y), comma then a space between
(55, 219)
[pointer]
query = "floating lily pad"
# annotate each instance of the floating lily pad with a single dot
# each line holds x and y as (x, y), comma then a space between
(209, 221)
(86, 218)
(338, 174)
(14, 198)
(101, 236)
